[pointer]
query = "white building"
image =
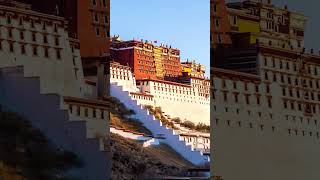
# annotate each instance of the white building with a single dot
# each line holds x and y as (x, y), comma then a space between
(186, 101)
(268, 121)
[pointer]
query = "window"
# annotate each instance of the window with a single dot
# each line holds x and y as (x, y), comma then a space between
(55, 28)
(285, 104)
(273, 63)
(23, 49)
(34, 37)
(32, 23)
(219, 38)
(58, 53)
(57, 41)
(292, 105)
(94, 2)
(106, 19)
(225, 97)
(250, 125)
(10, 33)
(274, 77)
(217, 23)
(96, 18)
(266, 76)
(35, 51)
(11, 47)
(215, 7)
(234, 20)
(21, 21)
(45, 39)
(247, 99)
(283, 91)
(21, 35)
(8, 19)
(44, 26)
(46, 52)
(97, 31)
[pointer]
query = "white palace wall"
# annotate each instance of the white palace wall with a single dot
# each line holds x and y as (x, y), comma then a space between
(60, 68)
(185, 104)
(258, 140)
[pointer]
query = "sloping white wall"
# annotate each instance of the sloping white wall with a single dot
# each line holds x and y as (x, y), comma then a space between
(22, 95)
(155, 126)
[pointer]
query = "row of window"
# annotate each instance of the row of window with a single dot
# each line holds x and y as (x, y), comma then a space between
(121, 77)
(292, 80)
(146, 71)
(307, 95)
(97, 18)
(183, 100)
(35, 49)
(294, 119)
(196, 139)
(99, 34)
(33, 37)
(237, 111)
(291, 66)
(86, 112)
(293, 105)
(273, 128)
(247, 98)
(142, 97)
(235, 86)
(102, 2)
(32, 23)
(176, 92)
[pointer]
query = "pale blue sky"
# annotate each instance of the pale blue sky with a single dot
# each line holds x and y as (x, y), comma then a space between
(183, 24)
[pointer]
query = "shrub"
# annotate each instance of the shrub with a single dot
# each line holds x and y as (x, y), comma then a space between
(202, 127)
(177, 120)
(189, 124)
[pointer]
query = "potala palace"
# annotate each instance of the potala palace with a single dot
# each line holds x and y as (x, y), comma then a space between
(51, 74)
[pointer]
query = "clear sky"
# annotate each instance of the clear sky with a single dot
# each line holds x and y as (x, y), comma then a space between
(183, 24)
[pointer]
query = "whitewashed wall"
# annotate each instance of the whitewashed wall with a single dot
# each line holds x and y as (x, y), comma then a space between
(155, 126)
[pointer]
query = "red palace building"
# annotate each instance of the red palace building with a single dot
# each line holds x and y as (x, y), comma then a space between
(146, 59)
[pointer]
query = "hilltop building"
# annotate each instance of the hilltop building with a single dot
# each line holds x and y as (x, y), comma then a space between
(265, 100)
(190, 68)
(184, 100)
(61, 79)
(146, 59)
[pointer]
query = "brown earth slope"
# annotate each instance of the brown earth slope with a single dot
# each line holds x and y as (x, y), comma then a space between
(132, 161)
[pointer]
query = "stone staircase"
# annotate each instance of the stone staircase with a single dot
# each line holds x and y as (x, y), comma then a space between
(48, 113)
(170, 137)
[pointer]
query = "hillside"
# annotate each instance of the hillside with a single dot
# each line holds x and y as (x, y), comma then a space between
(25, 153)
(131, 161)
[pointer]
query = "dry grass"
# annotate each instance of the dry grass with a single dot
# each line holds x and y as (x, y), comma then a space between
(129, 124)
(131, 161)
